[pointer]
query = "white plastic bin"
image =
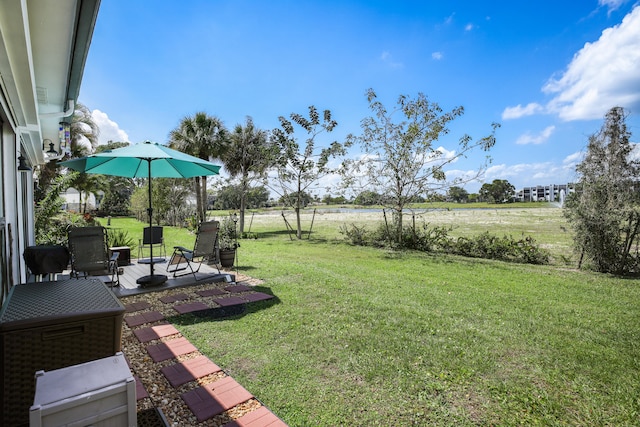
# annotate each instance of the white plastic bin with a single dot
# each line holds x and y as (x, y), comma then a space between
(97, 393)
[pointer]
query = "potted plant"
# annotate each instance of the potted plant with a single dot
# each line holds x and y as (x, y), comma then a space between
(227, 242)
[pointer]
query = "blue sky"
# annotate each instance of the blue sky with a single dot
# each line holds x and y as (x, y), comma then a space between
(547, 71)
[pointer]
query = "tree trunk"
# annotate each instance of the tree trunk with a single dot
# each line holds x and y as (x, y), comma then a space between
(198, 199)
(299, 225)
(399, 224)
(243, 203)
(204, 197)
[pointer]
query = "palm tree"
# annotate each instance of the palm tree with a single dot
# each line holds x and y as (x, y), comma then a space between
(248, 157)
(84, 139)
(84, 132)
(205, 137)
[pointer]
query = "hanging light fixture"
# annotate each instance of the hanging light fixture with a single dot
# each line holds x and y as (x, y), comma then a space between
(22, 164)
(52, 148)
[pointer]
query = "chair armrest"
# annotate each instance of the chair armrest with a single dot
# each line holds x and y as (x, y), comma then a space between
(182, 249)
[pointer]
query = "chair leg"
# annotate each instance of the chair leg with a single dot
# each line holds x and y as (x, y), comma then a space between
(115, 274)
(177, 258)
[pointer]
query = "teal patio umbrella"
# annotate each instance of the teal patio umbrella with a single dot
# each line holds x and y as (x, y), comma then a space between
(146, 160)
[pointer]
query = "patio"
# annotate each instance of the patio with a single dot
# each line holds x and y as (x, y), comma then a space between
(175, 383)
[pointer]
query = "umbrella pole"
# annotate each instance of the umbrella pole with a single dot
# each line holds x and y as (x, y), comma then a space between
(151, 279)
(150, 212)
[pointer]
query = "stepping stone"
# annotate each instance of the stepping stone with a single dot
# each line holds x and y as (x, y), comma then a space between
(190, 307)
(257, 296)
(261, 417)
(170, 349)
(227, 302)
(142, 318)
(239, 288)
(173, 298)
(215, 398)
(190, 370)
(141, 392)
(155, 332)
(211, 292)
(136, 306)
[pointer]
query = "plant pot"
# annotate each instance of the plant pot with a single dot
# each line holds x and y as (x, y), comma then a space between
(227, 257)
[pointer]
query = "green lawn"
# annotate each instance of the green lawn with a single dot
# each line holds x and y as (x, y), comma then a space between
(360, 336)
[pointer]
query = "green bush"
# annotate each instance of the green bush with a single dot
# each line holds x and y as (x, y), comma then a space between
(437, 239)
(504, 248)
(117, 237)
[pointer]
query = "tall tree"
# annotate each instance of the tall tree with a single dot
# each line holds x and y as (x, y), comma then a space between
(402, 159)
(458, 194)
(228, 197)
(499, 191)
(299, 168)
(249, 155)
(203, 136)
(604, 212)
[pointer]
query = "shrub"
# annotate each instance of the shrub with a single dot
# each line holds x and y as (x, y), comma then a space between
(504, 248)
(437, 239)
(117, 237)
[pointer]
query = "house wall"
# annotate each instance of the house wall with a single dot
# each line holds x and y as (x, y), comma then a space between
(43, 49)
(16, 211)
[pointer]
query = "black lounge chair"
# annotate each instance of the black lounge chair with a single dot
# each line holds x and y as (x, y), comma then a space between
(89, 254)
(204, 249)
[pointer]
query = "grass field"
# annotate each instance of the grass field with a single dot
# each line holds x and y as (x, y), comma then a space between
(361, 336)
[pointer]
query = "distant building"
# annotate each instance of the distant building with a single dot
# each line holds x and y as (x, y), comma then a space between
(73, 201)
(545, 193)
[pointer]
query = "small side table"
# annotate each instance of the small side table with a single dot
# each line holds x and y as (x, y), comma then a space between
(124, 258)
(46, 260)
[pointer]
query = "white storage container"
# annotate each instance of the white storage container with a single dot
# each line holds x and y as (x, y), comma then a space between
(97, 393)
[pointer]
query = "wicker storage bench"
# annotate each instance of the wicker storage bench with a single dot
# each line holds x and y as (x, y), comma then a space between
(52, 325)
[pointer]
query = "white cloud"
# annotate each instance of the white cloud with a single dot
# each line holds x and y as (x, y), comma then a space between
(611, 5)
(449, 19)
(527, 138)
(109, 130)
(602, 75)
(635, 152)
(520, 111)
(469, 27)
(530, 174)
(436, 55)
(573, 159)
(388, 59)
(443, 154)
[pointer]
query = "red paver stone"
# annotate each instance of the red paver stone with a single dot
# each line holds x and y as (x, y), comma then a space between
(155, 332)
(141, 392)
(190, 370)
(142, 318)
(227, 302)
(215, 398)
(190, 307)
(239, 288)
(256, 296)
(261, 417)
(211, 292)
(170, 349)
(173, 298)
(136, 306)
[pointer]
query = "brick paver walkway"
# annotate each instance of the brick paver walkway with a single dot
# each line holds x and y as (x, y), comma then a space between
(208, 400)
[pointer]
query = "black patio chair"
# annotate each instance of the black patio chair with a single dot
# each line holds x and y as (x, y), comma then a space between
(89, 252)
(204, 249)
(152, 236)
